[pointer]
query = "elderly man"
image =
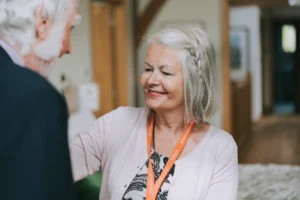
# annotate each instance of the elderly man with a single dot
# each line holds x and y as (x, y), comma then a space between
(34, 153)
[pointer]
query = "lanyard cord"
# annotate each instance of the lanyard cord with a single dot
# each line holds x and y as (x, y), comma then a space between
(153, 137)
(153, 188)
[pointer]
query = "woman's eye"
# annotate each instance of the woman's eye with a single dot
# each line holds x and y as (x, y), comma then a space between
(148, 70)
(166, 73)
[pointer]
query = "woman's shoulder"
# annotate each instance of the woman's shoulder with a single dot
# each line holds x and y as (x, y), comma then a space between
(130, 111)
(125, 114)
(221, 138)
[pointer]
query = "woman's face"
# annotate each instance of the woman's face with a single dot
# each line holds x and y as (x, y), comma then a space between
(162, 79)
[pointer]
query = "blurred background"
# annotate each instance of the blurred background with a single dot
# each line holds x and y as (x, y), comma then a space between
(258, 59)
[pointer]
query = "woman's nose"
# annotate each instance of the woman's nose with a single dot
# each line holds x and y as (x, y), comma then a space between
(153, 79)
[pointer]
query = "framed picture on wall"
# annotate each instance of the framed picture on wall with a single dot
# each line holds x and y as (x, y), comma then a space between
(240, 52)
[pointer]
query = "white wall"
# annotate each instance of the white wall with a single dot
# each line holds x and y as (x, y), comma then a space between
(204, 11)
(250, 17)
(77, 66)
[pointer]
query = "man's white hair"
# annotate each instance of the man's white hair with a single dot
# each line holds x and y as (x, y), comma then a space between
(17, 19)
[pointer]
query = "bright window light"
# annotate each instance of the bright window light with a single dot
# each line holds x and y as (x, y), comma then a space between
(288, 38)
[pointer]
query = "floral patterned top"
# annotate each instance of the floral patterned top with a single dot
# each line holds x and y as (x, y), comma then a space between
(137, 189)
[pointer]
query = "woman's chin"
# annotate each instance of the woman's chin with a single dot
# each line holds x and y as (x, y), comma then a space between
(153, 105)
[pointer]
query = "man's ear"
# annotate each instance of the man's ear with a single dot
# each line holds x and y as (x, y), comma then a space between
(42, 24)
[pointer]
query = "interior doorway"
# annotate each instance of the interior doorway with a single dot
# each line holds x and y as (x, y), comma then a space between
(285, 45)
(286, 52)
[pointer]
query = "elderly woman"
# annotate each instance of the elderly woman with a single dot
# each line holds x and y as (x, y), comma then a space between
(190, 159)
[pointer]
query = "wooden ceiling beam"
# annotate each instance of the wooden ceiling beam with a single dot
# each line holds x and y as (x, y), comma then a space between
(260, 3)
(146, 18)
(140, 24)
(115, 1)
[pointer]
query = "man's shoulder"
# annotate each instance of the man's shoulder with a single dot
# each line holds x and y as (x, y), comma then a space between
(32, 81)
(20, 81)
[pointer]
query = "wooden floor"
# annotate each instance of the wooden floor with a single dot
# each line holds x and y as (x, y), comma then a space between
(274, 139)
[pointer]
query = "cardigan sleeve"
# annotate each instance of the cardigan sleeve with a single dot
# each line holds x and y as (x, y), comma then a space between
(224, 183)
(87, 149)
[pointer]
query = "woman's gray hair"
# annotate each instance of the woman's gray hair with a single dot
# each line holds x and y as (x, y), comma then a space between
(201, 90)
(17, 19)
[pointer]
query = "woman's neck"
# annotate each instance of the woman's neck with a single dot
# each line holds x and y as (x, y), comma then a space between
(170, 122)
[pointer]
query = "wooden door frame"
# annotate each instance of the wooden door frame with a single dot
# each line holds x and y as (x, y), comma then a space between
(266, 27)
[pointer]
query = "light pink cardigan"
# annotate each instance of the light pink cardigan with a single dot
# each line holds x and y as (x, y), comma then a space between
(116, 143)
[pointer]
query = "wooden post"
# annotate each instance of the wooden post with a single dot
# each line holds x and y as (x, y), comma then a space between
(225, 63)
(102, 54)
(120, 54)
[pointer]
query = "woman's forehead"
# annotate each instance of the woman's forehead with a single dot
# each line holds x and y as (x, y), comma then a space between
(157, 64)
(161, 49)
(159, 55)
(161, 63)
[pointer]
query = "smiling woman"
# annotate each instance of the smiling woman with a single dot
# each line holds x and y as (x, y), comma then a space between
(162, 79)
(186, 62)
(185, 156)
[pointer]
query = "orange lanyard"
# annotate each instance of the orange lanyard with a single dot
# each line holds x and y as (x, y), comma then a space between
(152, 188)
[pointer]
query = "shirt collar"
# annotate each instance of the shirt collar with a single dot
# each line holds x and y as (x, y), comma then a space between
(16, 58)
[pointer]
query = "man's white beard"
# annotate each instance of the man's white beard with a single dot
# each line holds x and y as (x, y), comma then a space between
(47, 52)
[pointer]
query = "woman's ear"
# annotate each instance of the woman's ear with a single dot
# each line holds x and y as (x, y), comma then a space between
(42, 24)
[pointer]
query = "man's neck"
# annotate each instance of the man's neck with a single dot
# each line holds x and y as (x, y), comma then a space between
(12, 52)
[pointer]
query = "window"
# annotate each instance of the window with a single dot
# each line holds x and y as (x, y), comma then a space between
(288, 38)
